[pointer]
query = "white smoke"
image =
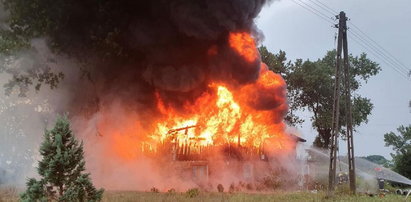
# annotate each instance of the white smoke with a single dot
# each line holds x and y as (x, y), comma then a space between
(24, 118)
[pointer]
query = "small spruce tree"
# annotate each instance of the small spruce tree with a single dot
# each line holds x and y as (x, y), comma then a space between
(61, 169)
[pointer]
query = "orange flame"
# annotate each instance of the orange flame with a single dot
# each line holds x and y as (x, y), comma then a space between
(244, 45)
(249, 116)
(225, 117)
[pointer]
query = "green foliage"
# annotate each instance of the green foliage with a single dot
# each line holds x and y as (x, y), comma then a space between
(13, 44)
(378, 159)
(10, 43)
(86, 25)
(194, 192)
(25, 21)
(312, 85)
(390, 187)
(35, 191)
(61, 169)
(401, 144)
(277, 63)
(37, 77)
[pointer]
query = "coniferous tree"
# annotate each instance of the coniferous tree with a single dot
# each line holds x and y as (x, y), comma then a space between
(61, 169)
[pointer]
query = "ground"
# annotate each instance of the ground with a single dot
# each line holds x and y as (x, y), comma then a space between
(11, 194)
(283, 197)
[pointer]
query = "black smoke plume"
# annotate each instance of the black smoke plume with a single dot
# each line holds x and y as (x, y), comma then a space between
(131, 49)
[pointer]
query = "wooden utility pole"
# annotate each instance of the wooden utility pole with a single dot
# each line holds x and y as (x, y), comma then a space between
(341, 45)
(349, 128)
(336, 114)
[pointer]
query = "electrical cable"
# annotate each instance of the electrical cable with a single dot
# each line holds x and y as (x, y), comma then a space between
(319, 14)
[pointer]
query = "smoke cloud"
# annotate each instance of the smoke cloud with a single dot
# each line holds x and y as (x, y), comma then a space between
(170, 43)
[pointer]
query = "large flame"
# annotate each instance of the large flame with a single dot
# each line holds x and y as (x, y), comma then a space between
(247, 116)
(220, 117)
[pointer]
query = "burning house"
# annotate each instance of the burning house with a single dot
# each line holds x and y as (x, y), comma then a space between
(179, 93)
(187, 150)
(239, 126)
(228, 128)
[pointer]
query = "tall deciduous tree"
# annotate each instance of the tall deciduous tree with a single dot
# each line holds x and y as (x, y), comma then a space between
(61, 169)
(313, 86)
(310, 87)
(401, 143)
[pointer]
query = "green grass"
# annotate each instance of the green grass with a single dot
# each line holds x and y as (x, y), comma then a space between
(10, 194)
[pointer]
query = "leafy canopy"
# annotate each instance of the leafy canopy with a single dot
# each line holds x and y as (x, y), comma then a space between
(70, 28)
(401, 144)
(311, 86)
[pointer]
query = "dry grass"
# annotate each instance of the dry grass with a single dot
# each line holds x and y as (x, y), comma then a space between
(8, 194)
(11, 194)
(280, 196)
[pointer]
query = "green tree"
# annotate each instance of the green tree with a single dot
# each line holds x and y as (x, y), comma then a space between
(61, 169)
(71, 29)
(313, 85)
(310, 86)
(401, 144)
(278, 64)
(11, 44)
(378, 159)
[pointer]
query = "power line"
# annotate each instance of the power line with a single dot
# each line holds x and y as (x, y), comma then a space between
(383, 51)
(381, 54)
(332, 10)
(382, 48)
(361, 43)
(361, 37)
(355, 37)
(318, 11)
(319, 14)
(324, 8)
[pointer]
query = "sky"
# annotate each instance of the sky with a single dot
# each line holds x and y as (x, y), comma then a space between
(301, 34)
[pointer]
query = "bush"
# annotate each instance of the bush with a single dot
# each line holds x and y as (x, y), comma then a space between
(249, 186)
(171, 191)
(231, 189)
(154, 190)
(220, 188)
(272, 182)
(193, 192)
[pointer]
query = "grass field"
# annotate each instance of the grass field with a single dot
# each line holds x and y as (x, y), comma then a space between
(10, 194)
(281, 197)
